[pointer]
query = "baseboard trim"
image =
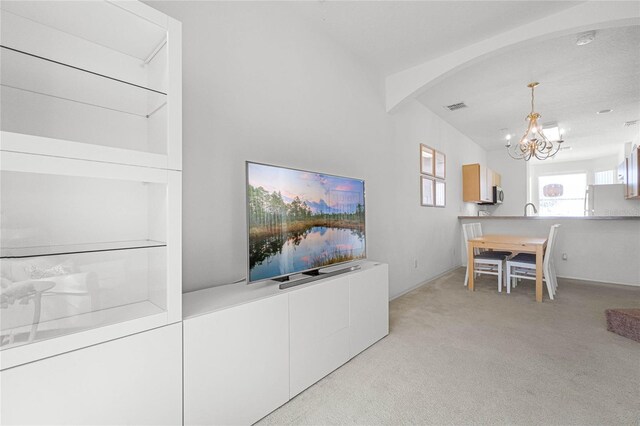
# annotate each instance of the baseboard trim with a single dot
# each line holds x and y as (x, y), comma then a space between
(589, 281)
(427, 281)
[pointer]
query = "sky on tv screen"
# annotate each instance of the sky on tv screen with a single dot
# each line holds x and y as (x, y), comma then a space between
(322, 193)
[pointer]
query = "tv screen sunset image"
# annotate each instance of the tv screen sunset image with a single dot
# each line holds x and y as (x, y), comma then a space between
(302, 220)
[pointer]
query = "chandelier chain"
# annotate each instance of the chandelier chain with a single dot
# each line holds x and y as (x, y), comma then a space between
(532, 97)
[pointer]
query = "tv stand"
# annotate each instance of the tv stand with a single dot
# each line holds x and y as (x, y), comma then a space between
(313, 275)
(248, 349)
(286, 278)
(281, 279)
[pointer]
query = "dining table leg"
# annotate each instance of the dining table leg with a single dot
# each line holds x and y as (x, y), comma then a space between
(539, 257)
(470, 264)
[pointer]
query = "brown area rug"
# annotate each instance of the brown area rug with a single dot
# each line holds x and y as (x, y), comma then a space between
(625, 322)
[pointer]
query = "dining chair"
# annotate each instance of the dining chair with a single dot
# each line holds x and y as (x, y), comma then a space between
(523, 266)
(477, 232)
(485, 262)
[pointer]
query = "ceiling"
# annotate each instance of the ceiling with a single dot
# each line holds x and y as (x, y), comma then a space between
(575, 83)
(394, 35)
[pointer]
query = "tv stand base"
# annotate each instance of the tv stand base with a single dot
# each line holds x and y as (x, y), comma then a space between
(315, 275)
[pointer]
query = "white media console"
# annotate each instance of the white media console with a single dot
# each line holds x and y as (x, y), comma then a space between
(249, 349)
(240, 352)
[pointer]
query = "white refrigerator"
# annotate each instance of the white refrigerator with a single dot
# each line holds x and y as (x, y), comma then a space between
(608, 200)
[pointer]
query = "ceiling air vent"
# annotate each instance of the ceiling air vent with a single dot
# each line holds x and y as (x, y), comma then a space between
(455, 107)
(631, 123)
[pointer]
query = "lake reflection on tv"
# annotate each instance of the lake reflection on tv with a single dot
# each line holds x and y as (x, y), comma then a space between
(302, 220)
(316, 247)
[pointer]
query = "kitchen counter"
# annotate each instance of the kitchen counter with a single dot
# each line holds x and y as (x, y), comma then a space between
(554, 217)
(596, 248)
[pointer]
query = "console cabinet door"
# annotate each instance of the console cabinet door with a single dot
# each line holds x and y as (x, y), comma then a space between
(319, 331)
(134, 380)
(369, 306)
(236, 363)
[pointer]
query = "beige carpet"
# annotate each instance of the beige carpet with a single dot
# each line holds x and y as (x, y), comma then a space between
(456, 357)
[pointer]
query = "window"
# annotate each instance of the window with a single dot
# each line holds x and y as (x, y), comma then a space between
(562, 195)
(605, 177)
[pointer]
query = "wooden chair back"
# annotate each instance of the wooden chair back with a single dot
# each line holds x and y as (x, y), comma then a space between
(553, 238)
(468, 233)
(477, 229)
(471, 230)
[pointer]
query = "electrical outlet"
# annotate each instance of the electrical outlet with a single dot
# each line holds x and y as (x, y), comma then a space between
(564, 256)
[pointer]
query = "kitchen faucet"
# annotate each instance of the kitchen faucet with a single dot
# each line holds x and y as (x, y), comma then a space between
(535, 211)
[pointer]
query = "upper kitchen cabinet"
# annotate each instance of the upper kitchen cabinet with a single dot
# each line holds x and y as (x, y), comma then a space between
(478, 182)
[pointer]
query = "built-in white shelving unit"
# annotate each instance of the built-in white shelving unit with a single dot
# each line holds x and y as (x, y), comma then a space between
(90, 175)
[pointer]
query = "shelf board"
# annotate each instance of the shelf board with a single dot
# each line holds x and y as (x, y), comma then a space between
(138, 31)
(82, 322)
(43, 76)
(40, 145)
(57, 250)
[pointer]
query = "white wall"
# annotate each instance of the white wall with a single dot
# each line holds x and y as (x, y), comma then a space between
(597, 250)
(514, 183)
(259, 84)
(431, 236)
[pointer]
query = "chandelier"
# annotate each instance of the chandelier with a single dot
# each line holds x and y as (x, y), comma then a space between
(533, 143)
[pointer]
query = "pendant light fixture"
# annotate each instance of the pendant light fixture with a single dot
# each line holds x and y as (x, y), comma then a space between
(534, 143)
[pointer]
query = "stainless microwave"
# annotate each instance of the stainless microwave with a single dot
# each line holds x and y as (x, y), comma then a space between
(498, 195)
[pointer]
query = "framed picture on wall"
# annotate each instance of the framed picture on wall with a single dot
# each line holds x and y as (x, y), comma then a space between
(440, 165)
(441, 193)
(427, 162)
(426, 191)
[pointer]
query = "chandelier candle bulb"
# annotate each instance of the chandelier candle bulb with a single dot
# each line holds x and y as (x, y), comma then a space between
(507, 136)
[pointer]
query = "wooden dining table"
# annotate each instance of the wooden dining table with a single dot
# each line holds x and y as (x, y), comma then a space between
(512, 243)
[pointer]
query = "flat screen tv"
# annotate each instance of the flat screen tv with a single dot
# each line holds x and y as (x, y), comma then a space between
(301, 221)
